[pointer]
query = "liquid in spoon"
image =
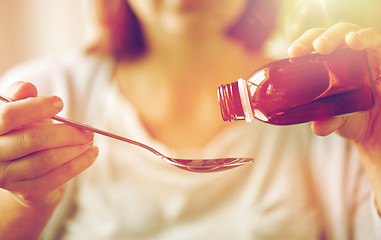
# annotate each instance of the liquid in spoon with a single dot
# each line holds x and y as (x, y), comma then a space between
(209, 165)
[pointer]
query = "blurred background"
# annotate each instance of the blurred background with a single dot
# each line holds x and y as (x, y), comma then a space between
(33, 28)
(297, 16)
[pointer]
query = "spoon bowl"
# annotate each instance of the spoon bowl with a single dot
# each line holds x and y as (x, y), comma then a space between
(190, 165)
(208, 165)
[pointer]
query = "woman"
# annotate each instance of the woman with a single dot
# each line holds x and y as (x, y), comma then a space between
(158, 86)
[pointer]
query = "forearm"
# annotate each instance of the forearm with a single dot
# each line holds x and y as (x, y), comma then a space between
(21, 222)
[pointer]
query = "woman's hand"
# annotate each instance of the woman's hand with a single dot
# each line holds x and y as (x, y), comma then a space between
(38, 157)
(364, 128)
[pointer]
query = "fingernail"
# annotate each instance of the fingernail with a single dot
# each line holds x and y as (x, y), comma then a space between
(297, 45)
(89, 135)
(323, 40)
(295, 49)
(323, 45)
(357, 34)
(14, 88)
(94, 150)
(57, 102)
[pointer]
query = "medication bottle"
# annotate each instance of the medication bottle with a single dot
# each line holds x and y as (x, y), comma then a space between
(301, 89)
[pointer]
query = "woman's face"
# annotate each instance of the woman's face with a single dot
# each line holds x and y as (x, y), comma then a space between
(188, 15)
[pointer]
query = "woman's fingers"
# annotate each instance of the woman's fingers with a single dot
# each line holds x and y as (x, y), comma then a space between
(21, 90)
(39, 163)
(342, 34)
(365, 38)
(326, 126)
(303, 45)
(323, 40)
(14, 115)
(22, 142)
(334, 37)
(346, 126)
(37, 158)
(55, 178)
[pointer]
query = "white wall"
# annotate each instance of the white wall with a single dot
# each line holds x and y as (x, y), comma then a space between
(31, 28)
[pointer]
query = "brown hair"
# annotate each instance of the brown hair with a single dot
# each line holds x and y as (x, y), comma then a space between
(121, 34)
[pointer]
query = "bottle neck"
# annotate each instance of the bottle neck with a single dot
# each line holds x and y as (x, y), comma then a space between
(230, 102)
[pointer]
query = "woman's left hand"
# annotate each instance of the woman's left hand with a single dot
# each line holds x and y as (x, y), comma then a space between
(363, 129)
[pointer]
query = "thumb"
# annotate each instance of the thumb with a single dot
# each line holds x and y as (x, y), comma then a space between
(326, 126)
(21, 90)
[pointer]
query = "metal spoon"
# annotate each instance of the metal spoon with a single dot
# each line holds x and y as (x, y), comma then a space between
(191, 165)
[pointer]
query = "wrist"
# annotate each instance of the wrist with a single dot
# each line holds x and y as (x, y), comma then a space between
(31, 214)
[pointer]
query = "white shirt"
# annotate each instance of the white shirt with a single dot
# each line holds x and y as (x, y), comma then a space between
(300, 186)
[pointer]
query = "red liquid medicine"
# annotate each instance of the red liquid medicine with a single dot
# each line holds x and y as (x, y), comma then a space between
(302, 89)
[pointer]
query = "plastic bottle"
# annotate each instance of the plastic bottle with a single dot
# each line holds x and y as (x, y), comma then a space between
(302, 89)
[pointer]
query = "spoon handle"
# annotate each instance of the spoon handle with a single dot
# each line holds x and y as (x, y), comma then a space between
(104, 133)
(96, 130)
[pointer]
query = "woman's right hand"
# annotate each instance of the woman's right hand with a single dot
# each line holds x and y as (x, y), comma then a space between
(37, 156)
